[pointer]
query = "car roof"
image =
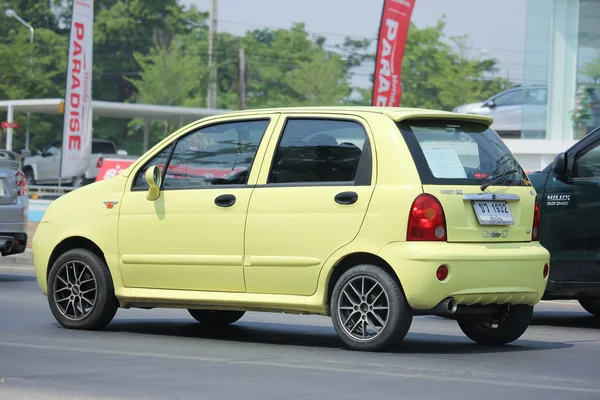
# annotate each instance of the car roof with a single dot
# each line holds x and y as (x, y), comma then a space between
(395, 113)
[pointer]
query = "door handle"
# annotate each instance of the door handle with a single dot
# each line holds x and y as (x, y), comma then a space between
(346, 198)
(225, 200)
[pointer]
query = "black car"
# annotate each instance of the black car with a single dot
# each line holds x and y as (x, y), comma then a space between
(569, 198)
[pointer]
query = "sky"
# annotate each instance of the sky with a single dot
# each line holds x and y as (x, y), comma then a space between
(498, 27)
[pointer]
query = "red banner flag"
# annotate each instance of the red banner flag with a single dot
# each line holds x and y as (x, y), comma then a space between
(393, 31)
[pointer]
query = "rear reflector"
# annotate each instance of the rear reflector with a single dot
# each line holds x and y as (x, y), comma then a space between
(441, 273)
(546, 270)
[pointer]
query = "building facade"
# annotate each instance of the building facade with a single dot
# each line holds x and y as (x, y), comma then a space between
(562, 69)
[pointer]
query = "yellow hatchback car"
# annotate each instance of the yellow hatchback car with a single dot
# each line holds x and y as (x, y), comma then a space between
(368, 215)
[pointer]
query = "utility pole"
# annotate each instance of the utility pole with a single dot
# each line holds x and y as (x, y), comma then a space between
(242, 80)
(212, 80)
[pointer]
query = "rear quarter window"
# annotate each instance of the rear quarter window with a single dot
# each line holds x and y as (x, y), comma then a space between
(459, 152)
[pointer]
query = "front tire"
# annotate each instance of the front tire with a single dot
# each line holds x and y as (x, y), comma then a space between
(497, 330)
(369, 310)
(80, 291)
(591, 305)
(216, 317)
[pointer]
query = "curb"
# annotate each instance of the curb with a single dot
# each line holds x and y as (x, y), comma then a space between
(23, 259)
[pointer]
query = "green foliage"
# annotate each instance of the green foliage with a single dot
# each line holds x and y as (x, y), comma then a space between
(156, 52)
(592, 70)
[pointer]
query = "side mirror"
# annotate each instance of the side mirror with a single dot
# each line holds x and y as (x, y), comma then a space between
(153, 177)
(559, 167)
(121, 152)
(490, 104)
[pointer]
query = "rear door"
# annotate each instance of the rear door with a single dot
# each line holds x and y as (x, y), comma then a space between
(311, 199)
(571, 217)
(455, 158)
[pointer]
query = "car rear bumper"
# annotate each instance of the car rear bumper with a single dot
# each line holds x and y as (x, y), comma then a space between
(507, 273)
(13, 226)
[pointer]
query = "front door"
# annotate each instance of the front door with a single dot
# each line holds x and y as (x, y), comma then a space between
(48, 167)
(191, 237)
(571, 219)
(314, 189)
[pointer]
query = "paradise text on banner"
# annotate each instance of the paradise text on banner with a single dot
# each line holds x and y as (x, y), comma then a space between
(393, 31)
(77, 127)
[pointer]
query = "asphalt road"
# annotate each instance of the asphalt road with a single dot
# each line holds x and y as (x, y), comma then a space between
(165, 354)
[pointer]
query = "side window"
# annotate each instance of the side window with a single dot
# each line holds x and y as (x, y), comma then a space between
(215, 155)
(312, 150)
(159, 160)
(514, 98)
(587, 165)
(536, 97)
(53, 150)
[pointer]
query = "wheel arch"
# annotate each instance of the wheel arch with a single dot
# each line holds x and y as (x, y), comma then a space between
(351, 260)
(71, 243)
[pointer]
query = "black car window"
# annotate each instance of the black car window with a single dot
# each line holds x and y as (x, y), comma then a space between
(318, 150)
(216, 155)
(103, 147)
(587, 164)
(159, 160)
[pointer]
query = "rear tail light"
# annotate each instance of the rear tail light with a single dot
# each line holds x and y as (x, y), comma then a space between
(546, 270)
(100, 162)
(481, 175)
(535, 229)
(426, 221)
(21, 184)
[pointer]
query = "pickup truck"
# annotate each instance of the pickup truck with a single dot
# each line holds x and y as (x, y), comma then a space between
(44, 168)
(569, 199)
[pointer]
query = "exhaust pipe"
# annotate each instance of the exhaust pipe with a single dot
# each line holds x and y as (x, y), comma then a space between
(446, 306)
(7, 247)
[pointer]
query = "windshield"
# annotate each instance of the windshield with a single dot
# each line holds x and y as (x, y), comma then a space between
(103, 147)
(460, 152)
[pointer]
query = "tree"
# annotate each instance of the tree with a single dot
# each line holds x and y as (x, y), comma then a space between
(169, 76)
(319, 81)
(592, 70)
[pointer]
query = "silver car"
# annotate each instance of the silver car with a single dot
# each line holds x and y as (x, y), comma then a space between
(14, 204)
(524, 108)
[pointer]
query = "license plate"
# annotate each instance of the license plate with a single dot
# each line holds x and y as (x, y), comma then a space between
(493, 213)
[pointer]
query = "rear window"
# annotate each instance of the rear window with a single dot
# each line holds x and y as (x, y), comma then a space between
(460, 152)
(103, 147)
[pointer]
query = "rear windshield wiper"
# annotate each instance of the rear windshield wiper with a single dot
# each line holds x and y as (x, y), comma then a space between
(497, 178)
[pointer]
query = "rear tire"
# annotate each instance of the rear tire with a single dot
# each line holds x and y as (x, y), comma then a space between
(80, 291)
(29, 179)
(216, 317)
(591, 305)
(497, 330)
(369, 310)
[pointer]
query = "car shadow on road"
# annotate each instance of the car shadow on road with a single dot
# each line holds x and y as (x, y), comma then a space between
(16, 278)
(317, 336)
(566, 319)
